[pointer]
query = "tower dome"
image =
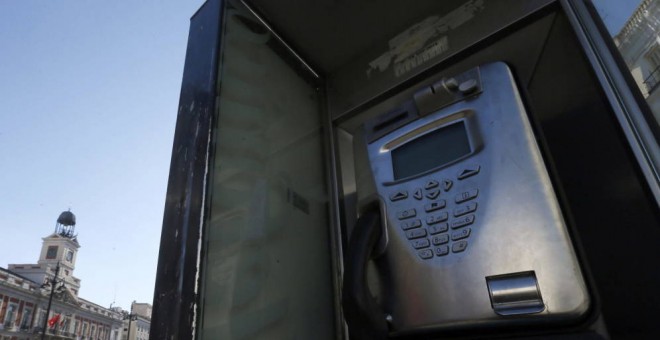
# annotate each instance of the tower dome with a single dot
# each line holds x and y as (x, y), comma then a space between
(66, 224)
(67, 218)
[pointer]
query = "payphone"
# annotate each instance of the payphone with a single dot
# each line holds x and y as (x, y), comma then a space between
(457, 206)
(297, 118)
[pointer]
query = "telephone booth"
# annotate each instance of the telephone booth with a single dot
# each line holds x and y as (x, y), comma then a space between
(413, 170)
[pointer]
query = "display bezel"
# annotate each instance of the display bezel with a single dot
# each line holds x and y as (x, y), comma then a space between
(424, 127)
(431, 150)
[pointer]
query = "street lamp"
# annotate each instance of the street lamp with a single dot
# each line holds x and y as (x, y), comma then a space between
(130, 317)
(55, 287)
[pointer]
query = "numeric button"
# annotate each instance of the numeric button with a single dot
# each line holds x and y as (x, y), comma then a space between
(422, 243)
(440, 239)
(459, 246)
(442, 250)
(408, 213)
(466, 209)
(416, 233)
(461, 234)
(438, 228)
(462, 222)
(437, 218)
(425, 254)
(416, 223)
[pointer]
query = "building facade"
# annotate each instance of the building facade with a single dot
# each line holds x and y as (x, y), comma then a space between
(142, 309)
(137, 326)
(639, 44)
(25, 291)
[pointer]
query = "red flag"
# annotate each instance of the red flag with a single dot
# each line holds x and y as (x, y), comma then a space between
(53, 321)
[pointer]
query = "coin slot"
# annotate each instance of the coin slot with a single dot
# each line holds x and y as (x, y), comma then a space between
(515, 293)
(399, 117)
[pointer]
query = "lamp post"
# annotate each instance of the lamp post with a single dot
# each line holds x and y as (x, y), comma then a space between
(53, 285)
(130, 318)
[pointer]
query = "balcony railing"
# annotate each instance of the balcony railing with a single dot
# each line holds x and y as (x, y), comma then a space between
(54, 332)
(653, 80)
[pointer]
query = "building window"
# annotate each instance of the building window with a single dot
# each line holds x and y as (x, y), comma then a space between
(69, 256)
(64, 324)
(41, 317)
(653, 57)
(653, 78)
(10, 316)
(27, 317)
(51, 253)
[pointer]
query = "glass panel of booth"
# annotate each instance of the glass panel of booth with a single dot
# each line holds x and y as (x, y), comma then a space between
(634, 26)
(266, 268)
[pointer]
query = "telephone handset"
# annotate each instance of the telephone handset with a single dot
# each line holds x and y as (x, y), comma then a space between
(456, 202)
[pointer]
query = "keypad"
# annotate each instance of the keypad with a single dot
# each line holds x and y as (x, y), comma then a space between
(465, 209)
(433, 194)
(416, 223)
(415, 233)
(442, 251)
(462, 222)
(466, 195)
(408, 213)
(461, 234)
(423, 243)
(431, 184)
(399, 195)
(437, 218)
(438, 228)
(433, 206)
(447, 184)
(441, 228)
(459, 246)
(425, 254)
(468, 171)
(440, 239)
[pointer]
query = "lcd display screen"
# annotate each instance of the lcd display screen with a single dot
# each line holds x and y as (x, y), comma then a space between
(430, 151)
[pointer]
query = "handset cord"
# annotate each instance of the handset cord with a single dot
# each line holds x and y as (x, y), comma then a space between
(364, 317)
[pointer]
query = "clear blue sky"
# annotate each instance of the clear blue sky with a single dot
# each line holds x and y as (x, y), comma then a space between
(88, 100)
(615, 12)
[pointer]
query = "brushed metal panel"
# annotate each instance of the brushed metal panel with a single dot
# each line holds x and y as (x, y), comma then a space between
(518, 225)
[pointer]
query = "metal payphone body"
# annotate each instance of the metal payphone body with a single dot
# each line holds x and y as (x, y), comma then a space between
(474, 235)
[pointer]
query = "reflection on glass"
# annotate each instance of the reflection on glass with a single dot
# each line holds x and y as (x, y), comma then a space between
(267, 271)
(634, 26)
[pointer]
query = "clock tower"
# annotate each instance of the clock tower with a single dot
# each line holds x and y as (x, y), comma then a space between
(59, 247)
